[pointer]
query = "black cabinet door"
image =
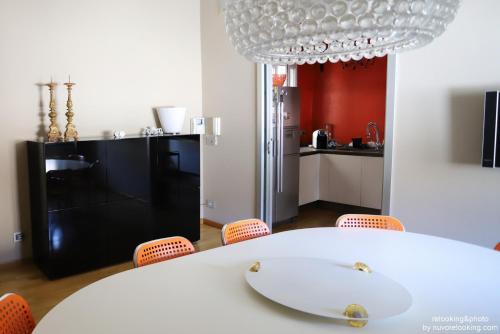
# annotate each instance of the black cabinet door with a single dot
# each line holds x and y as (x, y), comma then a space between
(129, 189)
(76, 195)
(76, 240)
(177, 186)
(76, 174)
(127, 227)
(128, 168)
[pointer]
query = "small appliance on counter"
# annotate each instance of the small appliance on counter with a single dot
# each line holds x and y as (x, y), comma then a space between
(357, 142)
(320, 139)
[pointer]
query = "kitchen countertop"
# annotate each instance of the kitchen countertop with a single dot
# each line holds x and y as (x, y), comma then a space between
(365, 152)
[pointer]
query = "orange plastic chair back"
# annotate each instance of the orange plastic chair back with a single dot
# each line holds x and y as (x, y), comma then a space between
(15, 315)
(244, 230)
(161, 250)
(497, 247)
(370, 221)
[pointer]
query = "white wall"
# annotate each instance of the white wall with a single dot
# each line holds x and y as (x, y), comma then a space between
(229, 91)
(126, 57)
(438, 184)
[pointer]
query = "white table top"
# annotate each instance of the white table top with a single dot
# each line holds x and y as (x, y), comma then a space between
(207, 292)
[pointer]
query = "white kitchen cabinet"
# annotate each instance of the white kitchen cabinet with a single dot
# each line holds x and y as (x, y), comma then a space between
(309, 179)
(344, 178)
(324, 189)
(372, 175)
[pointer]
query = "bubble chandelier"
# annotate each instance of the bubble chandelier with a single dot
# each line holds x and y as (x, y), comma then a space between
(285, 32)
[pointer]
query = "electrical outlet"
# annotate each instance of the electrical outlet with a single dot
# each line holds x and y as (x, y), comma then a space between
(18, 236)
(211, 204)
(211, 140)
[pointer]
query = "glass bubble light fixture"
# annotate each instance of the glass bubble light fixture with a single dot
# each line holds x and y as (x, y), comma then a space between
(286, 32)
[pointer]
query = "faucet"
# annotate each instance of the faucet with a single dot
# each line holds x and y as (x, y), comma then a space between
(368, 134)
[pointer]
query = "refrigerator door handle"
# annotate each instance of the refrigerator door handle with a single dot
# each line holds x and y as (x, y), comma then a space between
(278, 147)
(281, 120)
(281, 149)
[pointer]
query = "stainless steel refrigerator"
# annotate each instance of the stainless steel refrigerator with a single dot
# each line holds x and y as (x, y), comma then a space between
(287, 158)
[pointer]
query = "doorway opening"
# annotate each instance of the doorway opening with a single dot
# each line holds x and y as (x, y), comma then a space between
(352, 106)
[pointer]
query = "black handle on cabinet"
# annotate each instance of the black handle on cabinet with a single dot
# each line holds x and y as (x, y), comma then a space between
(97, 162)
(77, 157)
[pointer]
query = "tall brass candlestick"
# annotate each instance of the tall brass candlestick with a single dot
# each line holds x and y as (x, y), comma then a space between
(70, 133)
(54, 133)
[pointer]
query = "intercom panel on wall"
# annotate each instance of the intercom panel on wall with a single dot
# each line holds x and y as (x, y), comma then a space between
(491, 135)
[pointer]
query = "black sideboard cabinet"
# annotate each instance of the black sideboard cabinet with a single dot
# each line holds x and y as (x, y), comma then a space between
(94, 201)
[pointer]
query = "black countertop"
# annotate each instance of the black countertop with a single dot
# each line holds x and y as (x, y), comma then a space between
(364, 152)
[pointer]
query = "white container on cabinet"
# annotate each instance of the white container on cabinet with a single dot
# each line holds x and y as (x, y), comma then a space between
(171, 119)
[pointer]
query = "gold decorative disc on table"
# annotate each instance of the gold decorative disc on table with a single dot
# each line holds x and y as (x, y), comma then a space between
(355, 311)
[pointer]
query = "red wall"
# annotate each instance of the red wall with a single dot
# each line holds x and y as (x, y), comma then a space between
(346, 98)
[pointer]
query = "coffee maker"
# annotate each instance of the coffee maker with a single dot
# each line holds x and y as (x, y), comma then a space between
(320, 139)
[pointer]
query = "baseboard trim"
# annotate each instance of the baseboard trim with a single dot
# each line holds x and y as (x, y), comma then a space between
(342, 208)
(16, 263)
(211, 223)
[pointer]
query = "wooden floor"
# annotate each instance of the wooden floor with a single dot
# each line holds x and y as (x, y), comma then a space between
(42, 294)
(25, 279)
(320, 214)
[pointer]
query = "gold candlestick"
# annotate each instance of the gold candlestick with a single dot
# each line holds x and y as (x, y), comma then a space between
(70, 133)
(54, 133)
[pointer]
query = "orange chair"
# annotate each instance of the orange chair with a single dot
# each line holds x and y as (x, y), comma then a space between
(243, 230)
(161, 250)
(15, 315)
(497, 247)
(370, 221)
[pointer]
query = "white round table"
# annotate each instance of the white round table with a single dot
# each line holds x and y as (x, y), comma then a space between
(452, 284)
